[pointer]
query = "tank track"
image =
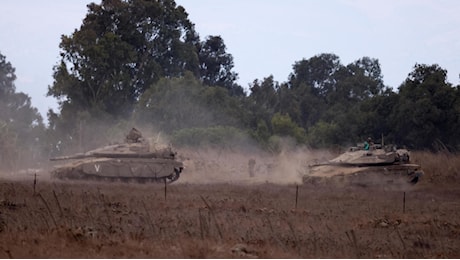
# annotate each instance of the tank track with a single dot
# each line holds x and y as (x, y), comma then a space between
(376, 176)
(75, 174)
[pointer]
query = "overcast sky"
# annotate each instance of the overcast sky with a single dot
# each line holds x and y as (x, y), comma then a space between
(265, 37)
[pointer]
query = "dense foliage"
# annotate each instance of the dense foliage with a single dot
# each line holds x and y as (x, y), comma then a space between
(121, 50)
(140, 62)
(21, 125)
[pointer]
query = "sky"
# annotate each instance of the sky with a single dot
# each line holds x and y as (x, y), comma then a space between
(265, 37)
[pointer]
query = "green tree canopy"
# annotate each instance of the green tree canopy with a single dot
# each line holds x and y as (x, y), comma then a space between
(284, 126)
(357, 81)
(122, 48)
(216, 65)
(426, 115)
(317, 72)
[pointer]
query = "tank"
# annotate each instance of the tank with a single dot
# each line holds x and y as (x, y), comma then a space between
(133, 160)
(376, 165)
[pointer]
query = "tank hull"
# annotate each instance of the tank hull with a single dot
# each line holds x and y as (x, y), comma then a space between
(364, 175)
(124, 169)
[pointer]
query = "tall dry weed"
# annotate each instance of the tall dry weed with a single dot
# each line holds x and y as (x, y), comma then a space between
(440, 168)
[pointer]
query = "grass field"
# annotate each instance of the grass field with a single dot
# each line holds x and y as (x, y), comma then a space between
(216, 211)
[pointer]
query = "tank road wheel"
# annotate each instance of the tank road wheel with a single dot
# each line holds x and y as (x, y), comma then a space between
(174, 176)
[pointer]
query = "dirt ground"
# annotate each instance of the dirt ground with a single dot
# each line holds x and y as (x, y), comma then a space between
(216, 210)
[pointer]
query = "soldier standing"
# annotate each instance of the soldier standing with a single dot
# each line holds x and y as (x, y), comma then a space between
(251, 165)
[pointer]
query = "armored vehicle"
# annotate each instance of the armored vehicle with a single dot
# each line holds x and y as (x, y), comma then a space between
(376, 164)
(133, 160)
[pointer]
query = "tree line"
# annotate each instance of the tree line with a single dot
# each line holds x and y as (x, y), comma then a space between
(140, 62)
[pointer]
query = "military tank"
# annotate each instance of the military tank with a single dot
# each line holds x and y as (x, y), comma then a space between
(132, 160)
(376, 164)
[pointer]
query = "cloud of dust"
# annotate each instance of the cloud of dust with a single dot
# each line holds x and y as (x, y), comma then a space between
(211, 165)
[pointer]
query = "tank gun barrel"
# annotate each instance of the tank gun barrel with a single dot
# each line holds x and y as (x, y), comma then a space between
(75, 156)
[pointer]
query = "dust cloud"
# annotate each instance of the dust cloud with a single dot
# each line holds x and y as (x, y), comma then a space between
(211, 165)
(241, 164)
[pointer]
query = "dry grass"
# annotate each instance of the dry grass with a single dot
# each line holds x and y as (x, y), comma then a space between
(227, 219)
(439, 168)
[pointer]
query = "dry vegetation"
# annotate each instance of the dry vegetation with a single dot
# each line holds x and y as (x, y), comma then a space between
(215, 210)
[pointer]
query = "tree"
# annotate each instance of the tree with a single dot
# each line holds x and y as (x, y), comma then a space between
(284, 126)
(425, 116)
(324, 94)
(306, 97)
(121, 49)
(216, 65)
(357, 81)
(21, 125)
(178, 103)
(375, 116)
(355, 85)
(317, 72)
(323, 134)
(262, 101)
